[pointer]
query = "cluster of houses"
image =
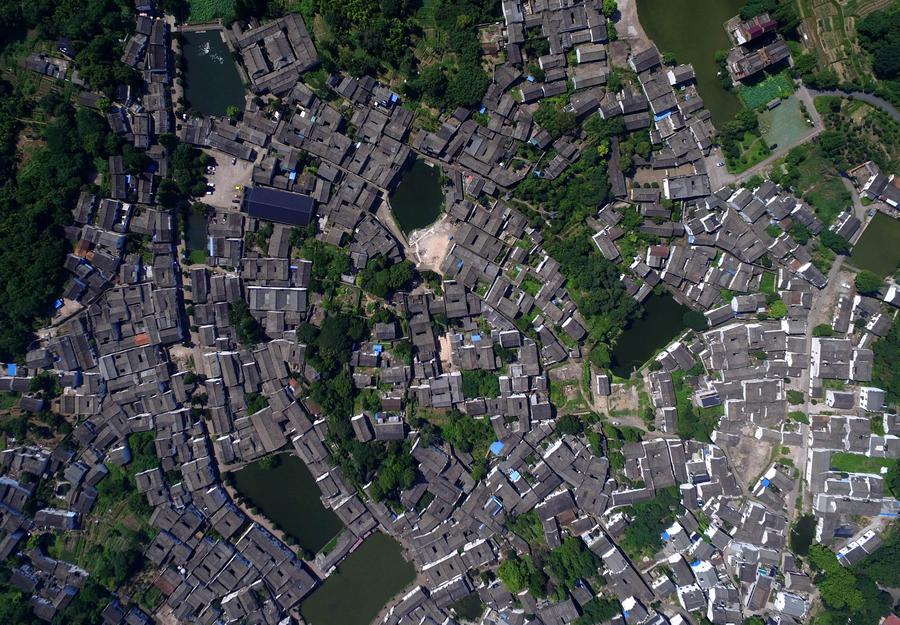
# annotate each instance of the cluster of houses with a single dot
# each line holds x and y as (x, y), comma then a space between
(153, 347)
(757, 46)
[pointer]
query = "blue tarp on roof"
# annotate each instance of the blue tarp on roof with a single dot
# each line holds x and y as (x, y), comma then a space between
(496, 448)
(765, 482)
(58, 304)
(665, 535)
(661, 116)
(476, 338)
(11, 369)
(514, 475)
(377, 349)
(695, 563)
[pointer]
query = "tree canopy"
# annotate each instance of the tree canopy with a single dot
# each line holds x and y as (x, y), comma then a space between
(868, 282)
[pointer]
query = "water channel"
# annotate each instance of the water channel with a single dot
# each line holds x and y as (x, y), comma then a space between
(663, 320)
(693, 31)
(362, 584)
(287, 495)
(211, 80)
(418, 200)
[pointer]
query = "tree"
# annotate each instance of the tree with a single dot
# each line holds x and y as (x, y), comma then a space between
(835, 242)
(519, 574)
(572, 561)
(598, 610)
(553, 119)
(570, 424)
(610, 7)
(868, 282)
(247, 328)
(649, 519)
(836, 584)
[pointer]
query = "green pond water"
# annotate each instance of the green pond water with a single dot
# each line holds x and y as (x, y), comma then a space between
(362, 584)
(211, 80)
(878, 249)
(693, 31)
(802, 534)
(196, 231)
(663, 320)
(418, 199)
(287, 495)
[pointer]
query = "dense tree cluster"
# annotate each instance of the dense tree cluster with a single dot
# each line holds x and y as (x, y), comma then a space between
(366, 37)
(852, 595)
(480, 383)
(732, 132)
(595, 287)
(383, 279)
(572, 561)
(551, 116)
(879, 34)
(643, 536)
(868, 282)
(466, 433)
(519, 574)
(36, 200)
(598, 610)
(247, 328)
(328, 264)
(583, 187)
(188, 172)
(458, 79)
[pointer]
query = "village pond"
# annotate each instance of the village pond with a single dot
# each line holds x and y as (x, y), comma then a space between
(361, 586)
(693, 31)
(418, 200)
(196, 237)
(877, 248)
(287, 495)
(662, 321)
(211, 80)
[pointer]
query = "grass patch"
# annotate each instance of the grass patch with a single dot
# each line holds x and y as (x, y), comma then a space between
(858, 463)
(772, 87)
(753, 150)
(8, 400)
(566, 396)
(197, 257)
(531, 286)
(767, 283)
(208, 10)
(821, 186)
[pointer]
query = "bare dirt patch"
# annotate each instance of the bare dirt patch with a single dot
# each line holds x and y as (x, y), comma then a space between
(428, 247)
(749, 458)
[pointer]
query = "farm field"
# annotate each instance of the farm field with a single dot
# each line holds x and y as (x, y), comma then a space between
(208, 10)
(756, 96)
